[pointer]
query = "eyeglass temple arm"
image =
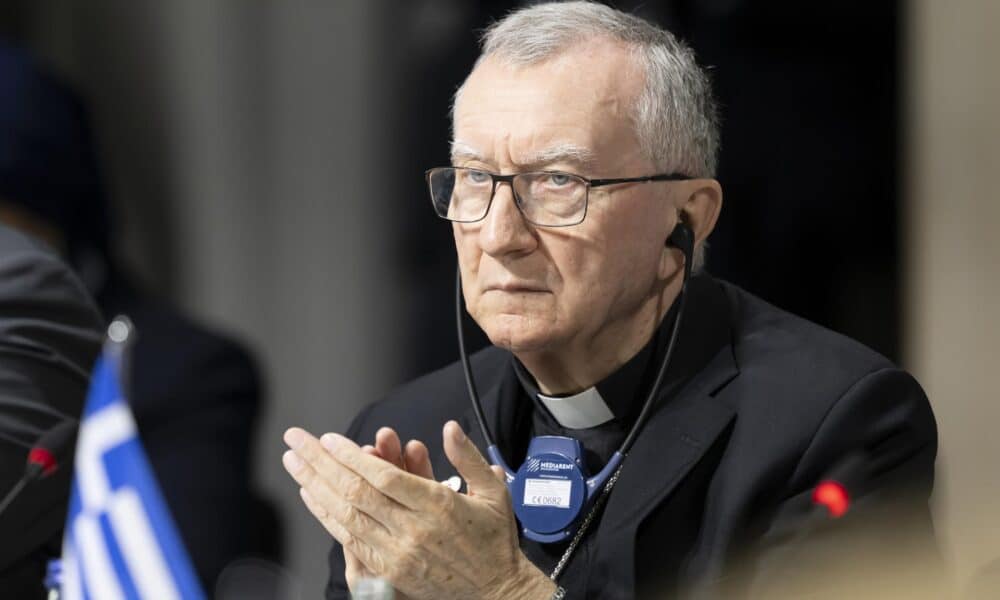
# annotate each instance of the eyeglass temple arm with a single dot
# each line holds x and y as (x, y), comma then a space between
(660, 177)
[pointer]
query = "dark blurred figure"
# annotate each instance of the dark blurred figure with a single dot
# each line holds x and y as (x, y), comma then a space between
(808, 160)
(50, 335)
(195, 394)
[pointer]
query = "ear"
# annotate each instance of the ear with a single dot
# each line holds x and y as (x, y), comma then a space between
(698, 202)
(700, 206)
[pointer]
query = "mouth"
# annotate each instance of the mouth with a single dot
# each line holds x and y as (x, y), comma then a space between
(516, 288)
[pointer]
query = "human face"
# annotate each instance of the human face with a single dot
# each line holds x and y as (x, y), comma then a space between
(538, 289)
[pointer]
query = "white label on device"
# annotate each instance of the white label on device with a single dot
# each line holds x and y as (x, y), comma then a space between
(552, 493)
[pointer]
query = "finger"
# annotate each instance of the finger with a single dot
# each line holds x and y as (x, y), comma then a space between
(369, 449)
(388, 446)
(328, 503)
(363, 552)
(418, 459)
(333, 485)
(405, 488)
(471, 465)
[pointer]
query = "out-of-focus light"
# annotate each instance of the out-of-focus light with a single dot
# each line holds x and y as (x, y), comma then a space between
(833, 496)
(118, 331)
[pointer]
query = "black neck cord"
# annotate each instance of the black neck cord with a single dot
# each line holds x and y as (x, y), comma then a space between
(647, 407)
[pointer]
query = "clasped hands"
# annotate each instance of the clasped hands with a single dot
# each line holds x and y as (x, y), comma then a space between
(395, 521)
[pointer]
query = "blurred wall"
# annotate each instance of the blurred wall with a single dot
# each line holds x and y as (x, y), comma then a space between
(242, 145)
(280, 222)
(952, 270)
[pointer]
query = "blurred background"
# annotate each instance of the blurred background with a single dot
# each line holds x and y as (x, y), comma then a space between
(261, 172)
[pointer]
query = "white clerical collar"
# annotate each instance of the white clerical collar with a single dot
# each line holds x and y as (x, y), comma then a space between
(579, 411)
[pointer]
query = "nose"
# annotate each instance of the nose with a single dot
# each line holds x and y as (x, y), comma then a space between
(504, 229)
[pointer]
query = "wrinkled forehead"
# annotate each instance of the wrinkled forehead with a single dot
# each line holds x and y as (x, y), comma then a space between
(583, 99)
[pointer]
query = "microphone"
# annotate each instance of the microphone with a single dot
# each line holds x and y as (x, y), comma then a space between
(44, 457)
(51, 448)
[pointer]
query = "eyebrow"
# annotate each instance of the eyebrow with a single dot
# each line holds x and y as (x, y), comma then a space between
(460, 149)
(563, 152)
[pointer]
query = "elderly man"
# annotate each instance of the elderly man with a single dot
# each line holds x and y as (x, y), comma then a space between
(585, 141)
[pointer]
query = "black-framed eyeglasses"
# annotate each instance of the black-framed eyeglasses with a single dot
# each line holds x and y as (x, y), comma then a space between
(545, 198)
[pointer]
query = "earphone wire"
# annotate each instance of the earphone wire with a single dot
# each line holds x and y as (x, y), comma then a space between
(470, 383)
(647, 406)
(644, 414)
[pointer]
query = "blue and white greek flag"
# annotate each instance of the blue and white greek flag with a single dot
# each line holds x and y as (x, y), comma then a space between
(120, 541)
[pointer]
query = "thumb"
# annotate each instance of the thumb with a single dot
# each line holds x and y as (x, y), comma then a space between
(482, 481)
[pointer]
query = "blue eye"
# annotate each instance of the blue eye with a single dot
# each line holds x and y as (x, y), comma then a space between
(559, 179)
(478, 176)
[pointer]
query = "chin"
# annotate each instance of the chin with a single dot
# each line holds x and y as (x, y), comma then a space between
(518, 333)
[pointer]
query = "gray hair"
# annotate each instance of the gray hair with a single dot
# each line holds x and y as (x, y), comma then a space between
(676, 118)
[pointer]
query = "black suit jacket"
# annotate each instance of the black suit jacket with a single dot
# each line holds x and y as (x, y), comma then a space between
(50, 335)
(715, 498)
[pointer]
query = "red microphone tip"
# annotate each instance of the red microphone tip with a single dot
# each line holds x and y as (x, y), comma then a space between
(833, 496)
(44, 459)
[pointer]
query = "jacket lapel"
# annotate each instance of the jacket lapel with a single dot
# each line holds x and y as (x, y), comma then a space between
(689, 419)
(673, 441)
(677, 436)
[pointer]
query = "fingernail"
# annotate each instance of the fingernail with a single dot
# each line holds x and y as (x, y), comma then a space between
(291, 461)
(459, 434)
(294, 437)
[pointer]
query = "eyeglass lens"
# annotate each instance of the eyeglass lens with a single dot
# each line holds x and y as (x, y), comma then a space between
(551, 199)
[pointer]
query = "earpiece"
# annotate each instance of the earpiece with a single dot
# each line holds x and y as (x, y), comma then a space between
(683, 238)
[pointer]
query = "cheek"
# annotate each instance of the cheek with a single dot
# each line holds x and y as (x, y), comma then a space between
(468, 265)
(583, 270)
(641, 231)
(613, 260)
(468, 256)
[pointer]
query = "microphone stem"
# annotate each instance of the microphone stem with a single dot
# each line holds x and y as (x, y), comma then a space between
(13, 493)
